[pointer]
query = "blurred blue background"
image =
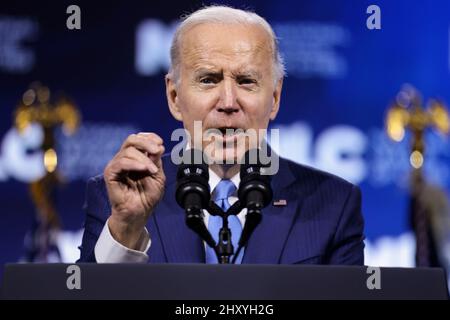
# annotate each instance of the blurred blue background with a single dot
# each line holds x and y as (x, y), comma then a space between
(341, 79)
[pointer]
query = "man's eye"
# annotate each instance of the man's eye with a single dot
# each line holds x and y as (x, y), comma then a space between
(246, 81)
(207, 80)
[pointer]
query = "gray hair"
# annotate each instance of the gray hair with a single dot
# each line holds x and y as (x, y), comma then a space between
(224, 15)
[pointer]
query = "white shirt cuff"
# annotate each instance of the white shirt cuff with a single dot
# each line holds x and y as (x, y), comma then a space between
(108, 250)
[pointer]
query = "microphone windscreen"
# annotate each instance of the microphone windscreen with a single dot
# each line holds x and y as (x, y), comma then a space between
(192, 177)
(193, 162)
(251, 162)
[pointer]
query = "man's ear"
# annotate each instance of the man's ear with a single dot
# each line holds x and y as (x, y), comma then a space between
(276, 99)
(172, 97)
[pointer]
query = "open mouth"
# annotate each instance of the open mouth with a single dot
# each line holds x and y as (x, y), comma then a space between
(229, 136)
(229, 131)
(228, 139)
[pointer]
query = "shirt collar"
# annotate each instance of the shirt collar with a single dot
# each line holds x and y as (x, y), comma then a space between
(214, 180)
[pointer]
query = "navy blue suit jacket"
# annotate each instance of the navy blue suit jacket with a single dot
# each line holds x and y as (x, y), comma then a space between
(320, 224)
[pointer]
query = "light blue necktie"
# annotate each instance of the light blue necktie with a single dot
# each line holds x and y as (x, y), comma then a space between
(222, 192)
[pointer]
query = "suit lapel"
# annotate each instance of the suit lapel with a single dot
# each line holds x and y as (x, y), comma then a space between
(268, 240)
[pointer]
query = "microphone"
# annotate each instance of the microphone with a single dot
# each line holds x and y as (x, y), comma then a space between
(254, 193)
(193, 193)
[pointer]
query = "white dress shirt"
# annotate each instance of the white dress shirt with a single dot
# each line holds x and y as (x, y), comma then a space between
(108, 250)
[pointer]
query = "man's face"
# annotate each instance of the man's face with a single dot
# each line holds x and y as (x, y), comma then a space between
(226, 81)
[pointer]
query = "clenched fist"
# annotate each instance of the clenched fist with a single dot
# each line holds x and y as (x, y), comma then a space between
(135, 182)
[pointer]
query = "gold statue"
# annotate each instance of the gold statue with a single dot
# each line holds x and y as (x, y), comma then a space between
(36, 107)
(407, 113)
(430, 216)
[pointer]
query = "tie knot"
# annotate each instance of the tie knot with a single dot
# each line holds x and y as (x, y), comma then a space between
(224, 189)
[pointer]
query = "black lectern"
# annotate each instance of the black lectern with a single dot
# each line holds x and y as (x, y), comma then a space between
(212, 282)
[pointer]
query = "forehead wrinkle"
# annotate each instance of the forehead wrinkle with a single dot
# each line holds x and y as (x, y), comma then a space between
(202, 61)
(205, 50)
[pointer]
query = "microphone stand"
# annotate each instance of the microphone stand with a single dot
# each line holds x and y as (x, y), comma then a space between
(224, 248)
(194, 220)
(253, 218)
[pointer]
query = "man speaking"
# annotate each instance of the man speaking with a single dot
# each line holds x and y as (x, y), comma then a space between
(226, 75)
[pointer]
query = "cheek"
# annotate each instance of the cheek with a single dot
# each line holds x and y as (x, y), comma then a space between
(257, 108)
(195, 105)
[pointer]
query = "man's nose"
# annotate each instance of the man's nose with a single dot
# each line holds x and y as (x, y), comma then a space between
(228, 97)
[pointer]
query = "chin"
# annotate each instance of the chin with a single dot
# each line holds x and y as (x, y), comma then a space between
(233, 156)
(230, 156)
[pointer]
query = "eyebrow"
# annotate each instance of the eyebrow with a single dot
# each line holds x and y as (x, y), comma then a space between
(247, 73)
(207, 71)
